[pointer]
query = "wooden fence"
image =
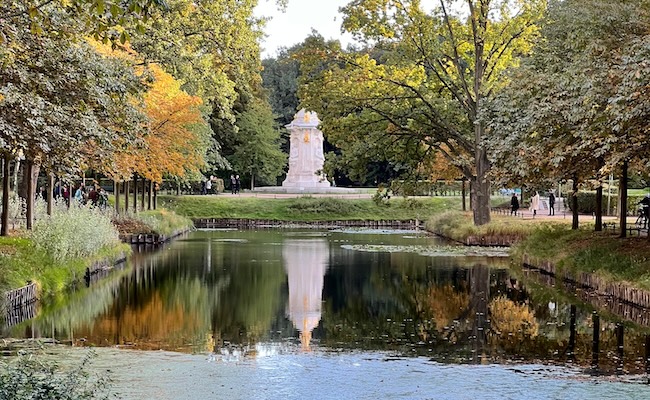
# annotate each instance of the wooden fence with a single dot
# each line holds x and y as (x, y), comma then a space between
(210, 223)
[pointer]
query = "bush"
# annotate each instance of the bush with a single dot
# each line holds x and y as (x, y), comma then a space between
(27, 377)
(164, 222)
(587, 203)
(310, 205)
(75, 232)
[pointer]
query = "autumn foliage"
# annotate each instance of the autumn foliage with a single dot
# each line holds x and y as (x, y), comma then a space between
(170, 144)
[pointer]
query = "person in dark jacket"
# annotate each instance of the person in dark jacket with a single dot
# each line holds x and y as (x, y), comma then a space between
(551, 203)
(514, 204)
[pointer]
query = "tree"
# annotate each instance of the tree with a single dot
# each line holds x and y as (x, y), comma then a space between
(566, 113)
(258, 154)
(423, 80)
(56, 99)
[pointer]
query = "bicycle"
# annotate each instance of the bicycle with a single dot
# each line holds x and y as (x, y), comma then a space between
(642, 220)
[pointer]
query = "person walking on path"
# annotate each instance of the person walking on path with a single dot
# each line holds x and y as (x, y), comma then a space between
(208, 185)
(237, 184)
(534, 203)
(233, 184)
(514, 204)
(551, 203)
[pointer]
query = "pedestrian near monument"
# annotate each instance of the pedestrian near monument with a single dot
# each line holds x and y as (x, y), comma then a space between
(233, 184)
(514, 204)
(534, 203)
(551, 203)
(237, 184)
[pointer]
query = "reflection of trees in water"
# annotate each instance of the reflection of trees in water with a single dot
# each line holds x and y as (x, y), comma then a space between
(473, 314)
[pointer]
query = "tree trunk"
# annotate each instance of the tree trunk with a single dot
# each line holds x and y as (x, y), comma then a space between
(15, 173)
(252, 182)
(574, 205)
(116, 192)
(464, 194)
(50, 193)
(149, 193)
(4, 230)
(29, 195)
(155, 196)
(143, 193)
(178, 188)
(481, 207)
(599, 209)
(126, 197)
(135, 193)
(623, 198)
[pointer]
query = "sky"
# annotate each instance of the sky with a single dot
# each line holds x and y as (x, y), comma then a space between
(295, 24)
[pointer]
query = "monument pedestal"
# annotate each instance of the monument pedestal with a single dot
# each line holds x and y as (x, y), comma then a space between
(306, 157)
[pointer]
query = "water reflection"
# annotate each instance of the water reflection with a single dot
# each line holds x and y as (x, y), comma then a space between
(306, 263)
(235, 293)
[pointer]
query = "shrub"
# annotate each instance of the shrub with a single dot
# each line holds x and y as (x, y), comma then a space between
(76, 232)
(321, 205)
(164, 222)
(28, 377)
(587, 203)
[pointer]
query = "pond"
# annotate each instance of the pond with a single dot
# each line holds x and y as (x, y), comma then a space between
(338, 314)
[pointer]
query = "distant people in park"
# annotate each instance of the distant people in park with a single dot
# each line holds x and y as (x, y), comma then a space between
(551, 203)
(514, 204)
(237, 184)
(102, 199)
(65, 193)
(41, 193)
(645, 204)
(208, 185)
(80, 194)
(93, 195)
(534, 203)
(203, 189)
(56, 193)
(233, 184)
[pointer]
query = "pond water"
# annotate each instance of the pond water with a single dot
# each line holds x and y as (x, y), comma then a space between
(337, 314)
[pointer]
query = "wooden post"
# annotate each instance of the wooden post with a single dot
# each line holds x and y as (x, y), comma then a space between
(619, 346)
(647, 354)
(572, 332)
(595, 318)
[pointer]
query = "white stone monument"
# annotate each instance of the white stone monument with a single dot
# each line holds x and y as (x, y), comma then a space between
(305, 153)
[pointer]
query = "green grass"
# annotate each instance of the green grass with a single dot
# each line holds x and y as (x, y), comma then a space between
(459, 226)
(21, 262)
(164, 221)
(307, 208)
(583, 250)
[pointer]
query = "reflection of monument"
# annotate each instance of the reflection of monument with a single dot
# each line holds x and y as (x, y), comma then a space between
(305, 153)
(306, 263)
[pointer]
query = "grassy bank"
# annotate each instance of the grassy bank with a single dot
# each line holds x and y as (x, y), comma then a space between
(307, 208)
(21, 261)
(459, 226)
(604, 254)
(573, 251)
(61, 247)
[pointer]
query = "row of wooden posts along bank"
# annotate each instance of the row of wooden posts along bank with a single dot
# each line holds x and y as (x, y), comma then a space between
(212, 223)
